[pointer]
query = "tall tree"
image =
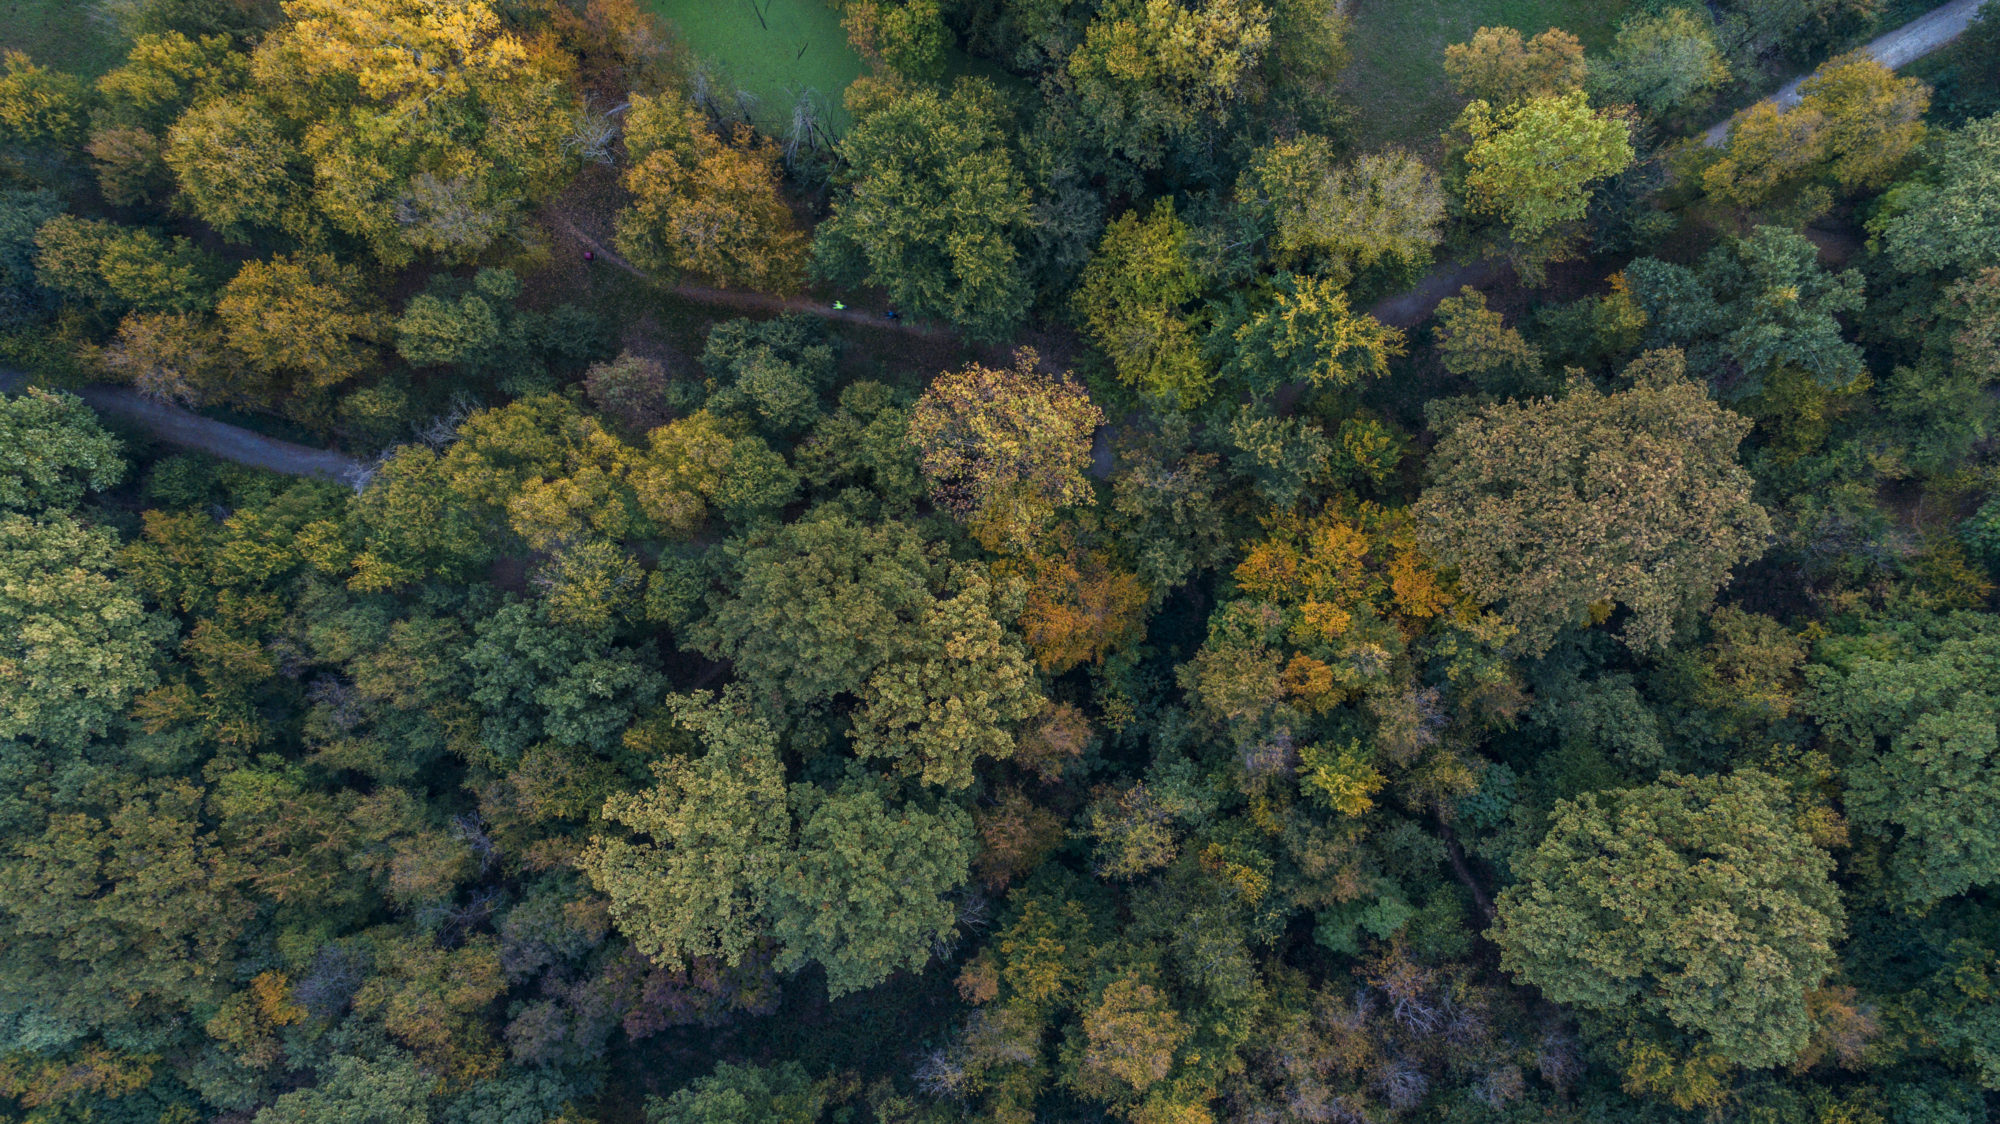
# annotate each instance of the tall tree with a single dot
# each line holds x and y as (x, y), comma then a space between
(934, 209)
(1666, 63)
(1693, 900)
(1633, 498)
(1341, 219)
(1498, 66)
(704, 206)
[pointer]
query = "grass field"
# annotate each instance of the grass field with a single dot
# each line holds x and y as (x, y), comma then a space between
(773, 49)
(64, 34)
(1397, 80)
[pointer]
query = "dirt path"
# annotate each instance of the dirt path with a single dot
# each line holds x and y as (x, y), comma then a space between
(1899, 48)
(764, 302)
(189, 430)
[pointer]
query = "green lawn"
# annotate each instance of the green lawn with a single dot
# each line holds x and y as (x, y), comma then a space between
(773, 49)
(1397, 80)
(64, 34)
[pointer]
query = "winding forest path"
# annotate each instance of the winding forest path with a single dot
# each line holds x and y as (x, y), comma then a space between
(189, 430)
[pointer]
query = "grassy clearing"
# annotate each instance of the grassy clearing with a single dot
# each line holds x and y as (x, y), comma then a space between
(1397, 81)
(773, 50)
(64, 34)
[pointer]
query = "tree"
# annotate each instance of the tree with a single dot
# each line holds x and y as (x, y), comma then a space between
(719, 831)
(1474, 340)
(814, 607)
(39, 106)
(704, 207)
(1557, 505)
(864, 892)
(1005, 448)
(1917, 723)
(632, 390)
(1854, 126)
(429, 148)
(1666, 63)
(1131, 300)
(393, 1090)
(76, 641)
(1306, 334)
(1499, 67)
(1152, 75)
(741, 1094)
(955, 696)
(1947, 218)
(235, 168)
(1694, 900)
(934, 210)
(1383, 207)
(118, 268)
(52, 450)
(1751, 308)
(303, 319)
(1131, 1034)
(1509, 171)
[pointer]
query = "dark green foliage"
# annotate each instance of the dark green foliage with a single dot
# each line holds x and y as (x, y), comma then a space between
(1752, 307)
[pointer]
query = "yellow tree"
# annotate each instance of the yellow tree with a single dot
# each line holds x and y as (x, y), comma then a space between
(427, 125)
(706, 207)
(1005, 448)
(301, 320)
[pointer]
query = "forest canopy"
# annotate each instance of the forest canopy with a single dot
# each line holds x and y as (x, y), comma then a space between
(1161, 561)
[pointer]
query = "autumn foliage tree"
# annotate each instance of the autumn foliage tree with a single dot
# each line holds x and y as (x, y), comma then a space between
(703, 205)
(1497, 65)
(1004, 448)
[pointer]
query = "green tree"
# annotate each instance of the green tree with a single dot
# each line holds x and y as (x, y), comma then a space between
(1498, 66)
(1151, 76)
(1510, 171)
(1307, 333)
(742, 1094)
(1917, 721)
(76, 642)
(1473, 340)
(117, 268)
(1945, 218)
(52, 450)
(934, 210)
(39, 106)
(1664, 64)
(956, 696)
(235, 168)
(719, 831)
(864, 892)
(1751, 308)
(1132, 300)
(1694, 900)
(1634, 498)
(351, 1090)
(812, 608)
